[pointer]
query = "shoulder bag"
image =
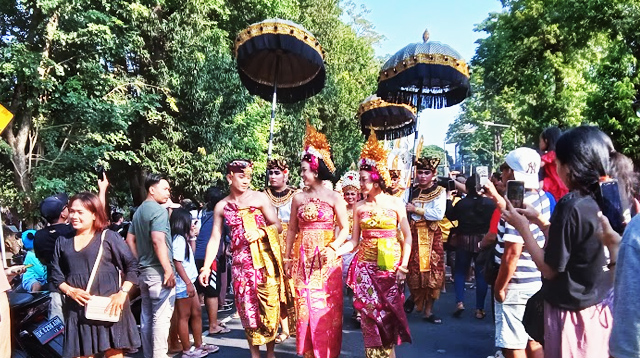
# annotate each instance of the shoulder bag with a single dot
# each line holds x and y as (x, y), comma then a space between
(96, 307)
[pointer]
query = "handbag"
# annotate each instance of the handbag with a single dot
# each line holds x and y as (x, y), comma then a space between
(96, 308)
(533, 318)
(486, 260)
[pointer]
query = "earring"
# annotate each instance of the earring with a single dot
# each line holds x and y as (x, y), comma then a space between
(375, 185)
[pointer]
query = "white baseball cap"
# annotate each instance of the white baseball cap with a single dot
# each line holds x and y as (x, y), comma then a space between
(525, 163)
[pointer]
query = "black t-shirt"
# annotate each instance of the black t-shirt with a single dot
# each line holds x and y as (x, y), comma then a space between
(44, 243)
(574, 250)
(473, 215)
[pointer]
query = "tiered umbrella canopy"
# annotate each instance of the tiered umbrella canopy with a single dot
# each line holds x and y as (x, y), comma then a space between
(280, 61)
(388, 120)
(426, 75)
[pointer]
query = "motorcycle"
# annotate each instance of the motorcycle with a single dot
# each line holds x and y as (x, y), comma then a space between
(32, 334)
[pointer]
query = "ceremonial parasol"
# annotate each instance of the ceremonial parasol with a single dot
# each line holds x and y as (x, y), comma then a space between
(280, 61)
(426, 75)
(388, 120)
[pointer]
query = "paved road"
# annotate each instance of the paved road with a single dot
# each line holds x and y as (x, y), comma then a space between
(465, 337)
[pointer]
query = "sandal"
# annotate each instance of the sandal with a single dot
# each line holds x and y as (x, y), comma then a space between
(281, 338)
(195, 353)
(480, 314)
(210, 348)
(433, 319)
(459, 310)
(221, 330)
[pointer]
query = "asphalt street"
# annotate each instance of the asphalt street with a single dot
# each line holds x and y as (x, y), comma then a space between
(464, 337)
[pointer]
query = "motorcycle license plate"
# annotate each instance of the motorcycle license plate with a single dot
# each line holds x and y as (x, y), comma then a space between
(49, 330)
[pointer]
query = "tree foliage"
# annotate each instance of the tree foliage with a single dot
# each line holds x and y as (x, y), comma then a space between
(141, 86)
(564, 63)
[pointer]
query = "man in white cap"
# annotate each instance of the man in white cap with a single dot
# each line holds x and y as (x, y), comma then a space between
(518, 278)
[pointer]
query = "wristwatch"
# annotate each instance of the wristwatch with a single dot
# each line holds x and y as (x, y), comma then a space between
(125, 291)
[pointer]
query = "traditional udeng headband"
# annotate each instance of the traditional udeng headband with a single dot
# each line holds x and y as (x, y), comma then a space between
(278, 164)
(240, 166)
(427, 164)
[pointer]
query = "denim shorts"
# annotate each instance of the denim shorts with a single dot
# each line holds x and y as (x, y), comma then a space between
(181, 294)
(510, 332)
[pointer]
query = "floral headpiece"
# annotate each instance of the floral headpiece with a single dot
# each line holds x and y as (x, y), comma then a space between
(240, 166)
(373, 159)
(280, 164)
(427, 164)
(317, 147)
(350, 179)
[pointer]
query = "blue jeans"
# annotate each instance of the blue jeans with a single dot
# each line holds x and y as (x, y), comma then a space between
(463, 262)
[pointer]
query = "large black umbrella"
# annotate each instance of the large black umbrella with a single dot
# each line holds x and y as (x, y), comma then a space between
(280, 61)
(426, 75)
(429, 74)
(388, 120)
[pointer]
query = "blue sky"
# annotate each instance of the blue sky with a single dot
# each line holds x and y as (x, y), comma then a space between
(450, 22)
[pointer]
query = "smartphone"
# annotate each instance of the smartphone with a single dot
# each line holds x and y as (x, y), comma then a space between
(483, 172)
(609, 201)
(515, 193)
(100, 172)
(451, 185)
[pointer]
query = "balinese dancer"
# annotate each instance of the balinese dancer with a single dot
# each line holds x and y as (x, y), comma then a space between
(255, 248)
(396, 187)
(350, 187)
(281, 196)
(426, 264)
(316, 270)
(379, 270)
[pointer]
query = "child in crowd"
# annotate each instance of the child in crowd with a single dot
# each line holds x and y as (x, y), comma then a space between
(549, 180)
(36, 275)
(188, 310)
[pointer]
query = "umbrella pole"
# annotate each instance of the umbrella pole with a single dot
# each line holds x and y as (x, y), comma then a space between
(273, 115)
(415, 141)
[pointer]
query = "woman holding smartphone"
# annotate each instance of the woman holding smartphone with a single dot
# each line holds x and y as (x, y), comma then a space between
(573, 263)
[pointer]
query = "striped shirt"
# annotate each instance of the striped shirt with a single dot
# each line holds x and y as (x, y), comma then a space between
(527, 276)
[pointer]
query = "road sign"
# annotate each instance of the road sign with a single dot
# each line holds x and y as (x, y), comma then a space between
(5, 117)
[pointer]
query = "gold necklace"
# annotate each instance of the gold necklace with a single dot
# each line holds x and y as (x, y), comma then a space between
(279, 199)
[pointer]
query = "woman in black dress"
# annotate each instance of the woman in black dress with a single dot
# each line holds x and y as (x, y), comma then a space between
(72, 265)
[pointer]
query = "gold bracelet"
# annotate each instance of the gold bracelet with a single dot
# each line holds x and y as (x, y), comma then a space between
(420, 211)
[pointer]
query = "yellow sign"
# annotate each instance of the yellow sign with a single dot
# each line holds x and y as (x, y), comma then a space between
(5, 117)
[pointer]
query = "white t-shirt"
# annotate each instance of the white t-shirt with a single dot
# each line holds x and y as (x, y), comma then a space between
(189, 263)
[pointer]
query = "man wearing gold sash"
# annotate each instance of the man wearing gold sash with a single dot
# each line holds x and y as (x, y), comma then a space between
(426, 263)
(281, 196)
(257, 262)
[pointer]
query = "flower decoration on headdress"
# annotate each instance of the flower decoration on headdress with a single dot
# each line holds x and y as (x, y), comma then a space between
(280, 164)
(427, 164)
(373, 159)
(350, 179)
(317, 147)
(240, 166)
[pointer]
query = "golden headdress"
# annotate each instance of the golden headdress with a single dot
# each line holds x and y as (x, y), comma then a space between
(395, 171)
(374, 158)
(277, 164)
(427, 163)
(316, 145)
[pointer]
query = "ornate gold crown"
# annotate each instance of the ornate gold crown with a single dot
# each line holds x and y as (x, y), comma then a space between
(277, 164)
(316, 144)
(374, 156)
(427, 163)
